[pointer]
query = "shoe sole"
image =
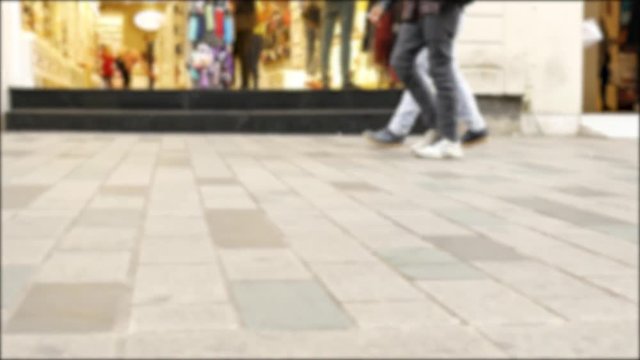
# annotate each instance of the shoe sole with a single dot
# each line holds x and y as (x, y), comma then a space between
(381, 144)
(473, 143)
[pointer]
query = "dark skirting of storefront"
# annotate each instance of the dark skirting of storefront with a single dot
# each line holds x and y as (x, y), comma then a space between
(215, 111)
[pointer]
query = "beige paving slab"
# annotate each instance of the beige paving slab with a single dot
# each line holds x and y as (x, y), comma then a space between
(25, 251)
(263, 264)
(182, 317)
(179, 284)
(369, 281)
(85, 266)
(177, 251)
(491, 303)
(93, 346)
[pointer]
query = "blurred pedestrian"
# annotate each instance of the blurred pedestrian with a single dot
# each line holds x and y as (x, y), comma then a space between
(107, 61)
(434, 25)
(334, 10)
(408, 111)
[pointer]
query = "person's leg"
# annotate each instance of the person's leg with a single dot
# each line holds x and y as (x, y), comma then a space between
(256, 50)
(346, 14)
(330, 17)
(409, 43)
(405, 115)
(439, 31)
(310, 37)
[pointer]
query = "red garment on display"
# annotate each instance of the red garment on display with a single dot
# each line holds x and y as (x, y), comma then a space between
(383, 40)
(107, 65)
(219, 21)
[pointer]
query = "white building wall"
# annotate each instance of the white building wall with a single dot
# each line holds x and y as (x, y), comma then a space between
(529, 48)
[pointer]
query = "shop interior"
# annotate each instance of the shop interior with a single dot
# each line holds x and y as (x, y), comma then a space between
(611, 65)
(159, 45)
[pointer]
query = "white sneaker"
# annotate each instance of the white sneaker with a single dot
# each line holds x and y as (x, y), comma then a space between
(427, 140)
(443, 149)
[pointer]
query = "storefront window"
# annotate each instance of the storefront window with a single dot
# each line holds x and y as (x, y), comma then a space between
(211, 44)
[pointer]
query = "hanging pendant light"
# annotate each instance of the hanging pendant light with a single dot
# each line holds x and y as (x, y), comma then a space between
(149, 20)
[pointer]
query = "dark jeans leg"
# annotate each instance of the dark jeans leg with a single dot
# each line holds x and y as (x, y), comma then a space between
(243, 42)
(331, 12)
(409, 43)
(256, 50)
(346, 15)
(439, 32)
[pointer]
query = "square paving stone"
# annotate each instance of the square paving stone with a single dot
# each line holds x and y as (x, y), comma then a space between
(365, 282)
(60, 308)
(25, 251)
(475, 248)
(243, 229)
(470, 217)
(177, 251)
(416, 255)
(263, 264)
(175, 226)
(15, 280)
(441, 271)
(183, 317)
(355, 186)
(178, 284)
(287, 305)
(67, 346)
(582, 191)
(110, 217)
(85, 266)
(565, 212)
(99, 238)
(627, 233)
(20, 196)
(174, 160)
(226, 197)
(118, 190)
(412, 314)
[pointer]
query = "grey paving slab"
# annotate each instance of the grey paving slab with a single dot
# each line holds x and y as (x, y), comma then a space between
(287, 305)
(440, 271)
(20, 196)
(471, 217)
(69, 308)
(625, 232)
(355, 186)
(15, 281)
(475, 248)
(416, 255)
(243, 229)
(567, 213)
(583, 191)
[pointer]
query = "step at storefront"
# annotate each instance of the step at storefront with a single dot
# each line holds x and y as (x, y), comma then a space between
(214, 111)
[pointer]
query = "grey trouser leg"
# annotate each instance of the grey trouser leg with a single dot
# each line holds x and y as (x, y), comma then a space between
(437, 33)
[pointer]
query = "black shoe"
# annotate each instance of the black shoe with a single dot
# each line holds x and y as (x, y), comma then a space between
(383, 137)
(471, 138)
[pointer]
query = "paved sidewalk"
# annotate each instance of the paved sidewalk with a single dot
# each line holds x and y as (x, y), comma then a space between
(306, 246)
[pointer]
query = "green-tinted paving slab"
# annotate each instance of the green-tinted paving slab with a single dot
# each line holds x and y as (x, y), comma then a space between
(287, 305)
(416, 255)
(15, 280)
(441, 271)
